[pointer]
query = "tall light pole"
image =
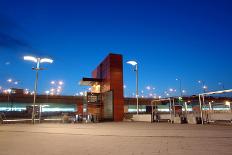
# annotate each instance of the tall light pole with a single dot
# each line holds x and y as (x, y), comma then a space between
(221, 84)
(8, 93)
(204, 87)
(47, 93)
(180, 86)
(37, 61)
(134, 63)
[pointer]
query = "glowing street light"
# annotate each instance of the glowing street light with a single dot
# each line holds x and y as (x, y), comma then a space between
(148, 87)
(204, 87)
(16, 82)
(172, 90)
(47, 92)
(81, 93)
(134, 63)
(47, 60)
(8, 91)
(180, 86)
(56, 86)
(37, 61)
(26, 91)
(76, 94)
(61, 82)
(9, 80)
(221, 84)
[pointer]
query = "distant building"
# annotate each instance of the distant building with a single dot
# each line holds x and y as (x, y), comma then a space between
(17, 91)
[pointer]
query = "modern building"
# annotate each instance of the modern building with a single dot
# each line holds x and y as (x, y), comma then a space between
(106, 96)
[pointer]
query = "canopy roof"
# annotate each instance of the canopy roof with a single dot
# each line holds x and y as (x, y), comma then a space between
(90, 81)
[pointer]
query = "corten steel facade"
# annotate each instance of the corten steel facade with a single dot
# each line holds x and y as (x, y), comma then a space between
(110, 71)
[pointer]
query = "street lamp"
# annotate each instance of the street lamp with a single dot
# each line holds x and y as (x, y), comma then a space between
(8, 93)
(47, 93)
(134, 63)
(181, 92)
(9, 80)
(57, 87)
(37, 61)
(221, 84)
(53, 82)
(61, 83)
(204, 87)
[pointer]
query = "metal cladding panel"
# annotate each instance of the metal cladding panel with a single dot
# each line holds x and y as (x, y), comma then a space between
(116, 71)
(108, 105)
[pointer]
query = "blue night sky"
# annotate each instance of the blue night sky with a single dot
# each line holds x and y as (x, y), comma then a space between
(187, 39)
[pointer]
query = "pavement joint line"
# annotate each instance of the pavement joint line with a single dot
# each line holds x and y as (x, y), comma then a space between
(152, 129)
(111, 135)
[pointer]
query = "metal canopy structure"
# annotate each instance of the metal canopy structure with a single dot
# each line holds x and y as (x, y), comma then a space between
(171, 103)
(202, 99)
(90, 81)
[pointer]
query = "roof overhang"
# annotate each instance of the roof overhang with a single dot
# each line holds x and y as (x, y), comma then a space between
(90, 81)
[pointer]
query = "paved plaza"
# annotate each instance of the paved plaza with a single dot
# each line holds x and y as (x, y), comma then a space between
(124, 138)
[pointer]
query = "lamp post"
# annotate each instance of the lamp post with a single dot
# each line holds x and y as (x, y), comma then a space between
(37, 61)
(180, 86)
(221, 84)
(204, 87)
(134, 63)
(8, 93)
(124, 88)
(47, 93)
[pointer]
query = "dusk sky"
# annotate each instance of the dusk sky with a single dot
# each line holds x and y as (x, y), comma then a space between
(187, 39)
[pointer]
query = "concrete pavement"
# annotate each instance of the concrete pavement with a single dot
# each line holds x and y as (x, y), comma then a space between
(124, 138)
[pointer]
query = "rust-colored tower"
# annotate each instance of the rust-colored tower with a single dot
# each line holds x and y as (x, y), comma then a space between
(110, 71)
